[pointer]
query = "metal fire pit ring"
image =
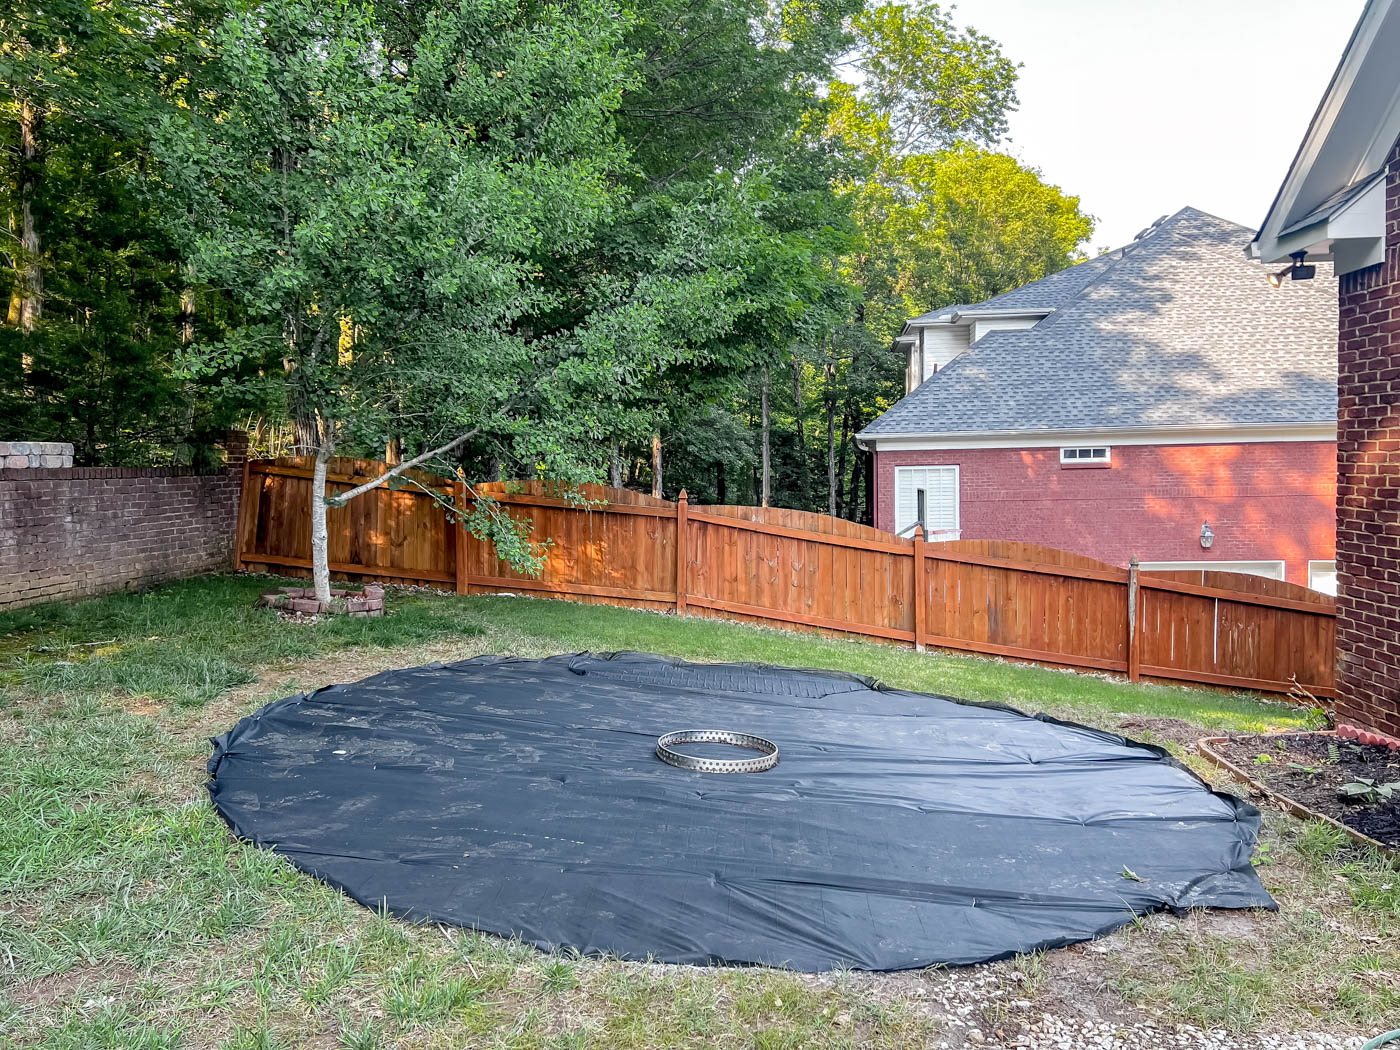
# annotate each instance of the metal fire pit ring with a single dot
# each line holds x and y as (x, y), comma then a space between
(768, 751)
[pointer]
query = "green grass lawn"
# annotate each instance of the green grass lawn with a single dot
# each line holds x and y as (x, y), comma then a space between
(130, 918)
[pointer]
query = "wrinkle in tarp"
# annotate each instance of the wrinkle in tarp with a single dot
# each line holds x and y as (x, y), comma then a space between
(898, 830)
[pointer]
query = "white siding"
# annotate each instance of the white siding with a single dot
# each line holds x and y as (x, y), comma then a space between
(1002, 324)
(942, 343)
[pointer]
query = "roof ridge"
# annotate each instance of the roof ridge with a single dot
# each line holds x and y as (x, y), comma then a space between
(1054, 276)
(1156, 240)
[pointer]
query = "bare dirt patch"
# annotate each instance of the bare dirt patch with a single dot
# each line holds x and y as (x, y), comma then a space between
(45, 991)
(139, 705)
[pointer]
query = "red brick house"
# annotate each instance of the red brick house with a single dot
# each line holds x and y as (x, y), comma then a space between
(1340, 203)
(1162, 400)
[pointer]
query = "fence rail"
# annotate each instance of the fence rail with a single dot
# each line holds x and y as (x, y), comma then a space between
(795, 569)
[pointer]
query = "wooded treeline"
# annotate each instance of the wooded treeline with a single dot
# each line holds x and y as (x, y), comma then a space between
(530, 239)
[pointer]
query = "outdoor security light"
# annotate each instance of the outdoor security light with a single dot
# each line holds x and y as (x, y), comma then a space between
(1207, 535)
(1296, 270)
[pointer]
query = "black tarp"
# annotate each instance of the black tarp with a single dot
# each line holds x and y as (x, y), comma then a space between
(898, 830)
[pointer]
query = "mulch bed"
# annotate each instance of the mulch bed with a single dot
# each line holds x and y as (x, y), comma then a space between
(1310, 770)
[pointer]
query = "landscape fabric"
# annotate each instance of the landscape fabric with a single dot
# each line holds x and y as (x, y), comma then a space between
(898, 829)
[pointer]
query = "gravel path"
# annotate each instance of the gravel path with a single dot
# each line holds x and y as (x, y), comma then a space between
(960, 1001)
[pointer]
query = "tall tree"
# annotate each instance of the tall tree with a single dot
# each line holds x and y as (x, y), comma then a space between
(938, 216)
(98, 300)
(383, 200)
(924, 82)
(731, 193)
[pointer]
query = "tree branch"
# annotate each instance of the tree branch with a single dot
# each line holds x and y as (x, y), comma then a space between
(408, 464)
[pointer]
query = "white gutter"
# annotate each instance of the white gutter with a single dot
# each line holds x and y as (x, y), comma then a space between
(992, 315)
(1314, 431)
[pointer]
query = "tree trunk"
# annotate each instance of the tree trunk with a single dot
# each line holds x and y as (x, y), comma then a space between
(31, 275)
(614, 465)
(721, 487)
(841, 466)
(766, 493)
(831, 455)
(320, 539)
(853, 493)
(304, 435)
(187, 309)
(656, 487)
(869, 517)
(804, 474)
(393, 452)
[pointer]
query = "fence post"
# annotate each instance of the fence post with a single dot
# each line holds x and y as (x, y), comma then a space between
(682, 550)
(459, 535)
(1134, 635)
(241, 524)
(920, 578)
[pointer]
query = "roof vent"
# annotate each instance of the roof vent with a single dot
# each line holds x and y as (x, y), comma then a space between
(1147, 230)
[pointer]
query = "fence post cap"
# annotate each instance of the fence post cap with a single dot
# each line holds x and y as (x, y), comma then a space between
(682, 498)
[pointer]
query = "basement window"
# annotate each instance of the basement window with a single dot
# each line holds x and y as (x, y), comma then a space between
(1322, 576)
(1094, 455)
(927, 494)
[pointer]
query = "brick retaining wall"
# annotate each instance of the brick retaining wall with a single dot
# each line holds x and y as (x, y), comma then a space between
(67, 532)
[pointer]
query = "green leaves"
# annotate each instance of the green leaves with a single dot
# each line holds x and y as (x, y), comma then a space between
(376, 194)
(1366, 791)
(927, 84)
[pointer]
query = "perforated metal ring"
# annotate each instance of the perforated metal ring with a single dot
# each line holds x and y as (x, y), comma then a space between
(767, 749)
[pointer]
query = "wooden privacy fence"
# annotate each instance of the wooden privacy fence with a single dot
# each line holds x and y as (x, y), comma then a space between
(795, 569)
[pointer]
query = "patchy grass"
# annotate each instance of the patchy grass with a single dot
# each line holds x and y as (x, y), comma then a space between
(130, 918)
(189, 642)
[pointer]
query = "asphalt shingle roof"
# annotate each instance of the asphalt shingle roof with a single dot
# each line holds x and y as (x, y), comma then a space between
(1052, 292)
(1179, 328)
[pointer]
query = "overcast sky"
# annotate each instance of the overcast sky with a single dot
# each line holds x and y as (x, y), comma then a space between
(1143, 106)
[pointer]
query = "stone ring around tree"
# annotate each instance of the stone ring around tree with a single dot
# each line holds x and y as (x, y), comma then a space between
(768, 751)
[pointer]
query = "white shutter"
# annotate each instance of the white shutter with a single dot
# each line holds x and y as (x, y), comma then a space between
(940, 485)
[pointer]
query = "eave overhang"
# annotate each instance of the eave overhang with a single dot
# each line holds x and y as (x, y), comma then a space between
(1331, 204)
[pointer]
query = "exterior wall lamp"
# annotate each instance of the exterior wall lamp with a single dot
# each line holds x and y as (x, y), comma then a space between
(1207, 535)
(1295, 271)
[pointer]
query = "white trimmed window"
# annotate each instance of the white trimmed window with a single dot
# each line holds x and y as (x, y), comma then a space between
(1085, 454)
(1272, 570)
(1322, 576)
(929, 494)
